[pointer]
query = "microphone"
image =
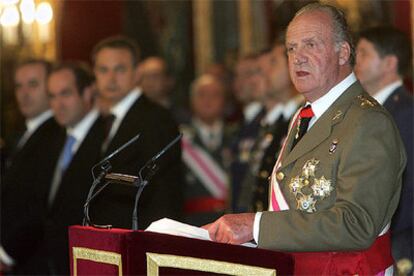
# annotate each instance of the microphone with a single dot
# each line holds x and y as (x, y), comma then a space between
(115, 152)
(142, 183)
(150, 163)
(105, 168)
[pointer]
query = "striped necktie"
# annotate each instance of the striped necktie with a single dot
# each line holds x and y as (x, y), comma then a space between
(305, 116)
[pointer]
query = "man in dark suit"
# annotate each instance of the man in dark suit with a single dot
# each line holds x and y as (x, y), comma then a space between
(383, 59)
(71, 92)
(337, 181)
(115, 65)
(21, 227)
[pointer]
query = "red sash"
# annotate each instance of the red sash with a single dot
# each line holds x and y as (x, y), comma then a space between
(371, 261)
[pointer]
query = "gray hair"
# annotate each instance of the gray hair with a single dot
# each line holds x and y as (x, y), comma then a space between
(340, 27)
(204, 80)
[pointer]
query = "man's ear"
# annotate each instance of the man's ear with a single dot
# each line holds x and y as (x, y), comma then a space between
(344, 53)
(138, 73)
(89, 94)
(391, 63)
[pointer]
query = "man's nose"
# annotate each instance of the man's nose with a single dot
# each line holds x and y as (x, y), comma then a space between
(299, 58)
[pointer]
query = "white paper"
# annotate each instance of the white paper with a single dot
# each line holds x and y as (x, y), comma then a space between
(172, 227)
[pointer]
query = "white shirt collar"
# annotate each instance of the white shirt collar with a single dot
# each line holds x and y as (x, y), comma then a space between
(382, 95)
(34, 123)
(323, 103)
(82, 128)
(210, 135)
(251, 110)
(273, 114)
(121, 109)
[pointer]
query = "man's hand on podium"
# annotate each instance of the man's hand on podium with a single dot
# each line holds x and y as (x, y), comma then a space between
(232, 228)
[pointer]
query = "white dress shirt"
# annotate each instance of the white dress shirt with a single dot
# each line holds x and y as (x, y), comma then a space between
(250, 111)
(274, 114)
(210, 135)
(79, 132)
(121, 109)
(382, 95)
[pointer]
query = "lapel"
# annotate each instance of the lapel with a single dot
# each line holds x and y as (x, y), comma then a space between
(125, 132)
(322, 127)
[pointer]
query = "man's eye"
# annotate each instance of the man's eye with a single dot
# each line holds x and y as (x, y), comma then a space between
(102, 70)
(310, 45)
(120, 69)
(33, 84)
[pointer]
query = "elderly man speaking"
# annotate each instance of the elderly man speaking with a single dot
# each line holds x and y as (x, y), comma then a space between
(337, 181)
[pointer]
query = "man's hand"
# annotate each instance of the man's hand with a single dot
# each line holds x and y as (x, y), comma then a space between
(233, 228)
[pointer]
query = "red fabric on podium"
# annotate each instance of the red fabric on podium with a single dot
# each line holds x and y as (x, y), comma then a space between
(133, 245)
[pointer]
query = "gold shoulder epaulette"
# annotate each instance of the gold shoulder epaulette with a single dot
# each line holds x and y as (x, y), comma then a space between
(366, 102)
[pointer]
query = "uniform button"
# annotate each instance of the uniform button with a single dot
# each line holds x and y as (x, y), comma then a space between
(260, 190)
(280, 176)
(264, 174)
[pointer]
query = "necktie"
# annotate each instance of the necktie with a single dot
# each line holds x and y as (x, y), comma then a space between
(305, 116)
(23, 139)
(67, 152)
(65, 158)
(108, 122)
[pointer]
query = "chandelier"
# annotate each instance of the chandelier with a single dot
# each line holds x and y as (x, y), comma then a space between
(25, 22)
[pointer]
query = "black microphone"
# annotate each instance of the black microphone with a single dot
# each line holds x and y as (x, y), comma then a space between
(150, 162)
(105, 168)
(115, 152)
(141, 182)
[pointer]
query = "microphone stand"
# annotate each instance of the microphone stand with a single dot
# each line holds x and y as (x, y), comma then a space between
(141, 183)
(105, 166)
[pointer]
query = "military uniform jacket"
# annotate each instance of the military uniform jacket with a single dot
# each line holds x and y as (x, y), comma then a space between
(351, 163)
(195, 188)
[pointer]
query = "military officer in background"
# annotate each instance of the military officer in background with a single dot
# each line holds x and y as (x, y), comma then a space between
(337, 181)
(280, 101)
(206, 152)
(247, 91)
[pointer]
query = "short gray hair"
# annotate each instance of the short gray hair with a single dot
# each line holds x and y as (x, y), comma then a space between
(204, 80)
(340, 27)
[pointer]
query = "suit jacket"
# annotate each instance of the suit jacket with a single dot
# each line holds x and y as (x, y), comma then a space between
(163, 197)
(400, 104)
(22, 188)
(342, 181)
(67, 206)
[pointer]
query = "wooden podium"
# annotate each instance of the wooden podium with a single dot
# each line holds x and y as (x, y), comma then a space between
(125, 252)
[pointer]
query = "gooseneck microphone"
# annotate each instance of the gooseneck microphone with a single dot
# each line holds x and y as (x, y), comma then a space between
(141, 182)
(105, 167)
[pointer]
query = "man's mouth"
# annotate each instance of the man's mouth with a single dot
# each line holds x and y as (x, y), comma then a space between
(302, 73)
